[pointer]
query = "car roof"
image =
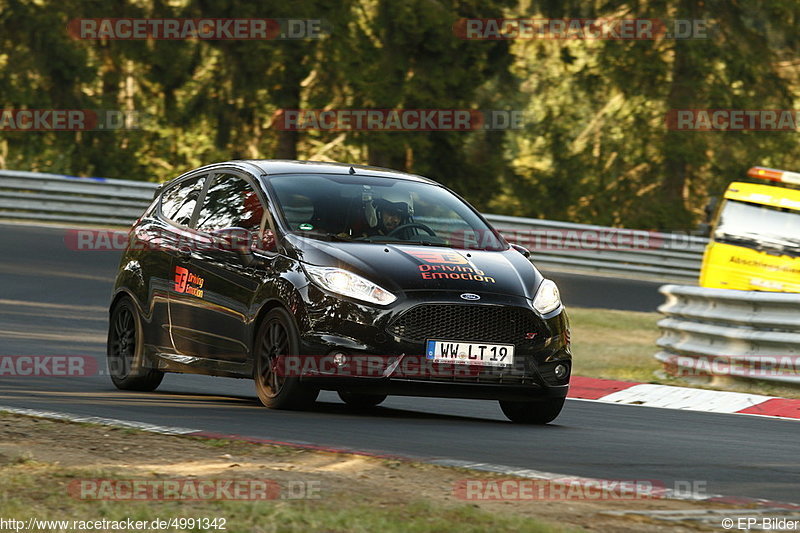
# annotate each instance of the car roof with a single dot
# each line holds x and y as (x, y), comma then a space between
(272, 167)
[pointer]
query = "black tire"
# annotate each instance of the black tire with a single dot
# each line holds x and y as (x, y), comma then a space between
(538, 412)
(361, 401)
(277, 336)
(125, 350)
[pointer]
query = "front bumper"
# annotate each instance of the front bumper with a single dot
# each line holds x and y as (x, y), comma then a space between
(397, 364)
(441, 389)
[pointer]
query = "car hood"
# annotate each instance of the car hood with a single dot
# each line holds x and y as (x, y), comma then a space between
(398, 267)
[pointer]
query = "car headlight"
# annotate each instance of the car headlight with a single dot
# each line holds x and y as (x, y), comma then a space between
(547, 297)
(348, 284)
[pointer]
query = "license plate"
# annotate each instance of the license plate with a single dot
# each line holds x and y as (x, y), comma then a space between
(470, 353)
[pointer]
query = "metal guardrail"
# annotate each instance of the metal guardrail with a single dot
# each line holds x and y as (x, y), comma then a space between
(554, 245)
(52, 197)
(559, 245)
(722, 332)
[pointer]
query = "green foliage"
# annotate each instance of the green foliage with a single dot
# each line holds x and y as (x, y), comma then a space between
(594, 147)
(600, 144)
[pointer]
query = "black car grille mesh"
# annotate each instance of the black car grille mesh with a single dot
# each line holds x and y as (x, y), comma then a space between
(465, 322)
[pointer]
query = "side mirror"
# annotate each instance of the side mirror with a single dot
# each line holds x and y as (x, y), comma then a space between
(268, 242)
(521, 249)
(237, 240)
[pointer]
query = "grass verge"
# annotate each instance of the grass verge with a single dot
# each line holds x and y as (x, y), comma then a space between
(620, 345)
(42, 462)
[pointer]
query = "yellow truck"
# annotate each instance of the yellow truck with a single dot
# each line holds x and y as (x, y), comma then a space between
(755, 238)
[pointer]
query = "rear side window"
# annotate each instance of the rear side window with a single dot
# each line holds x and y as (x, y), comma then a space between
(178, 202)
(230, 203)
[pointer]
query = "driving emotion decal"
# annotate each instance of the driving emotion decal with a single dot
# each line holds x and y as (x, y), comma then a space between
(188, 283)
(448, 265)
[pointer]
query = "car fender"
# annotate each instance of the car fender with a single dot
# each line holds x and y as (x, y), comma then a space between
(288, 290)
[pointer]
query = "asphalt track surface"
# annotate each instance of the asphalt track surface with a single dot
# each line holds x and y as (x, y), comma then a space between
(53, 302)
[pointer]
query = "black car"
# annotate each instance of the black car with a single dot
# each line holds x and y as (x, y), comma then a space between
(306, 276)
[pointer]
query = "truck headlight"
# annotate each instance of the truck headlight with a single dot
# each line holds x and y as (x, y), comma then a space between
(547, 297)
(346, 283)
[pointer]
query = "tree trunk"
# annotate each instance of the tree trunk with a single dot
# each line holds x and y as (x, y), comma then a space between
(680, 147)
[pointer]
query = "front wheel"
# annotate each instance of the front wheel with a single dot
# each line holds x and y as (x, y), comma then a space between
(538, 412)
(125, 350)
(277, 338)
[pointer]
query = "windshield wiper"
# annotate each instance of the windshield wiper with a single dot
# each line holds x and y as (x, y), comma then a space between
(324, 236)
(766, 243)
(401, 241)
(783, 241)
(425, 243)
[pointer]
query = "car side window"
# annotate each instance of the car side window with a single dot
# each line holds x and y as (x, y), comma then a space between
(178, 202)
(230, 202)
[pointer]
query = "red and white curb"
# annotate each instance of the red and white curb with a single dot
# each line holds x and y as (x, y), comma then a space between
(527, 473)
(671, 397)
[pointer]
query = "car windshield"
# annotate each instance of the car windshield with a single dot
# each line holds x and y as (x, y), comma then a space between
(760, 226)
(379, 210)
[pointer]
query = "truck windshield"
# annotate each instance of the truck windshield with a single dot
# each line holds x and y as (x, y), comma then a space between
(759, 226)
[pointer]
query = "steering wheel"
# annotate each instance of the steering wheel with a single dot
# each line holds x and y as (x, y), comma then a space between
(423, 227)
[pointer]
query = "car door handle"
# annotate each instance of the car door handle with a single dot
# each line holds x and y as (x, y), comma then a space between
(185, 252)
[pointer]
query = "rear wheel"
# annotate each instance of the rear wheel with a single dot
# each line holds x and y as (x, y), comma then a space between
(539, 412)
(361, 401)
(277, 336)
(125, 350)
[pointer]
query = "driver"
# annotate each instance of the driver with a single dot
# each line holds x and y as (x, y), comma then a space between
(388, 217)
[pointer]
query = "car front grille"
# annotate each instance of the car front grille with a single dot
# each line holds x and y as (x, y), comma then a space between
(481, 323)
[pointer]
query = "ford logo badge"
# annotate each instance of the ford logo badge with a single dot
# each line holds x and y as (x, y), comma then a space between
(470, 296)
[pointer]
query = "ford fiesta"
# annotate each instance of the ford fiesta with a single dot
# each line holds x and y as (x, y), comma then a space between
(308, 276)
